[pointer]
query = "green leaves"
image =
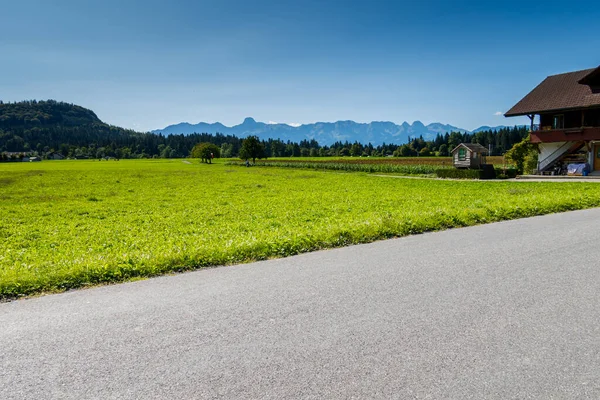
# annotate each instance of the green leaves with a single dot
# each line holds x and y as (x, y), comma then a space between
(252, 148)
(524, 155)
(206, 152)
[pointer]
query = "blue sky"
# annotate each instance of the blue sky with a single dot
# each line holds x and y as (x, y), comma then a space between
(147, 64)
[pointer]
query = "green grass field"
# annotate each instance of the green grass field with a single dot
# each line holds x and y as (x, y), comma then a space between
(70, 224)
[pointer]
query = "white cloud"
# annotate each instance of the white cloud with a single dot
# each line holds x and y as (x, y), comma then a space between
(294, 124)
(272, 123)
(498, 113)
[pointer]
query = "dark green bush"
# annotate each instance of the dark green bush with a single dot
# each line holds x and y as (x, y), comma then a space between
(459, 173)
(506, 173)
(488, 171)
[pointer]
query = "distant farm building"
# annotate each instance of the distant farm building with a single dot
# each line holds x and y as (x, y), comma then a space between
(55, 156)
(469, 155)
(15, 156)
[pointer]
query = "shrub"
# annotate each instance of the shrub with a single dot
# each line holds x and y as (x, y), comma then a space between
(459, 173)
(523, 155)
(506, 173)
(488, 171)
(444, 150)
(425, 152)
(531, 162)
(405, 151)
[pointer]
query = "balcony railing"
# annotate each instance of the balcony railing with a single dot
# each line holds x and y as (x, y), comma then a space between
(547, 134)
(539, 128)
(547, 128)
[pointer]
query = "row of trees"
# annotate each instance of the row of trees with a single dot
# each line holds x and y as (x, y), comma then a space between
(252, 148)
(45, 127)
(499, 142)
(71, 144)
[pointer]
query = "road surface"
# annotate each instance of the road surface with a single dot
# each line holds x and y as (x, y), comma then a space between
(507, 310)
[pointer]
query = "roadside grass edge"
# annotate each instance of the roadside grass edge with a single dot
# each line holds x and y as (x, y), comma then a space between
(387, 228)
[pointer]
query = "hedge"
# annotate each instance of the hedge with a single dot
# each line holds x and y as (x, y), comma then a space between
(506, 173)
(459, 173)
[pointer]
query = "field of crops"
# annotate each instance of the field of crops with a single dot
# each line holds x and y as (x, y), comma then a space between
(423, 166)
(67, 224)
(398, 169)
(438, 161)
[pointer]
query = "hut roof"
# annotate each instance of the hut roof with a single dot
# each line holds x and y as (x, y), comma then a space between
(471, 146)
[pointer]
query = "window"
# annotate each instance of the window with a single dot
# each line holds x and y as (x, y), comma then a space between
(462, 154)
(559, 122)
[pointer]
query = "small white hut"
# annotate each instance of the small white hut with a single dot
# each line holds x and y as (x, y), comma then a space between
(469, 155)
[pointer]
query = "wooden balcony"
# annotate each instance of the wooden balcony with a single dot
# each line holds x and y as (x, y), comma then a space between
(564, 135)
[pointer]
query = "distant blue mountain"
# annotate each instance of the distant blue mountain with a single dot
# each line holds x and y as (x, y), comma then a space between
(326, 133)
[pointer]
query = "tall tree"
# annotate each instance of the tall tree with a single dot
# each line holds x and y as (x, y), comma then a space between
(206, 152)
(252, 148)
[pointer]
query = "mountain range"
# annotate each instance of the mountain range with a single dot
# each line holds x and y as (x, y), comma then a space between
(326, 133)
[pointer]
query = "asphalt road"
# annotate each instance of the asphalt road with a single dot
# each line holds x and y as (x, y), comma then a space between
(508, 310)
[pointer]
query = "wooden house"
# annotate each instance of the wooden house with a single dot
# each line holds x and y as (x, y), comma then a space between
(568, 106)
(469, 155)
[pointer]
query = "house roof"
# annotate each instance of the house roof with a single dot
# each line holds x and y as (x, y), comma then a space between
(571, 90)
(472, 146)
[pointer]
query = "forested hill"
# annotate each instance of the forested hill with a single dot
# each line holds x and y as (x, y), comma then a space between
(35, 125)
(30, 114)
(46, 127)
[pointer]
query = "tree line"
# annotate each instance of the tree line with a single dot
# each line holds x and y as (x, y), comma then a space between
(84, 143)
(46, 127)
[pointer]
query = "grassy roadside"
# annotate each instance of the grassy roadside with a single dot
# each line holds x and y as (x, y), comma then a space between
(72, 224)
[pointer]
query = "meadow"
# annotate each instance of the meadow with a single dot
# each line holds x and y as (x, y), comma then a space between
(70, 224)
